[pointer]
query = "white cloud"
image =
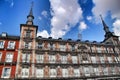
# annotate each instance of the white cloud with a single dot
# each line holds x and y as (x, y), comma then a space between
(44, 13)
(11, 2)
(82, 26)
(44, 34)
(116, 28)
(89, 18)
(103, 6)
(66, 14)
(39, 18)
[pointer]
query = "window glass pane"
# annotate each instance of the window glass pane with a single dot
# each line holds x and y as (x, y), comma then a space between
(25, 72)
(25, 57)
(53, 73)
(9, 57)
(39, 58)
(76, 72)
(74, 59)
(1, 44)
(0, 56)
(6, 72)
(39, 72)
(65, 72)
(52, 59)
(63, 59)
(11, 45)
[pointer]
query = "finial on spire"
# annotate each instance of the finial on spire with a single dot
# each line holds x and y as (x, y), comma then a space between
(31, 13)
(30, 16)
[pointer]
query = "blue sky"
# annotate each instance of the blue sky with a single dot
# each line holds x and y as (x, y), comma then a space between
(62, 18)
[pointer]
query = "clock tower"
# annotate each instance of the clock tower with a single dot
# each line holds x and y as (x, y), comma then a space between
(26, 55)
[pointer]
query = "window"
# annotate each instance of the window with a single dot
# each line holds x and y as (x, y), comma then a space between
(0, 56)
(93, 58)
(25, 57)
(110, 50)
(73, 48)
(62, 47)
(11, 45)
(113, 70)
(6, 73)
(102, 59)
(25, 72)
(99, 49)
(63, 59)
(65, 72)
(76, 73)
(105, 70)
(40, 45)
(28, 33)
(86, 71)
(27, 45)
(2, 44)
(9, 57)
(96, 70)
(52, 59)
(110, 59)
(84, 58)
(39, 72)
(74, 59)
(93, 49)
(53, 73)
(39, 58)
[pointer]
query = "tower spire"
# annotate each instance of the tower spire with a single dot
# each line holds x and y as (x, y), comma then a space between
(108, 34)
(30, 16)
(106, 29)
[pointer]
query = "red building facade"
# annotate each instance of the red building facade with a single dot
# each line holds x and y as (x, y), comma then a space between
(8, 55)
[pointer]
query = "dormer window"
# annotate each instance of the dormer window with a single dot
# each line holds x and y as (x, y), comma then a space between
(2, 44)
(11, 45)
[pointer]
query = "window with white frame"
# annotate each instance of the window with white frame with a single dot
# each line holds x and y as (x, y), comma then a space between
(96, 70)
(93, 49)
(110, 59)
(110, 50)
(27, 45)
(76, 72)
(62, 47)
(102, 59)
(40, 45)
(53, 73)
(25, 72)
(99, 49)
(6, 72)
(0, 55)
(52, 59)
(25, 57)
(85, 58)
(93, 58)
(9, 57)
(86, 71)
(28, 33)
(105, 70)
(112, 70)
(72, 47)
(74, 59)
(2, 44)
(39, 72)
(64, 72)
(11, 45)
(39, 58)
(64, 59)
